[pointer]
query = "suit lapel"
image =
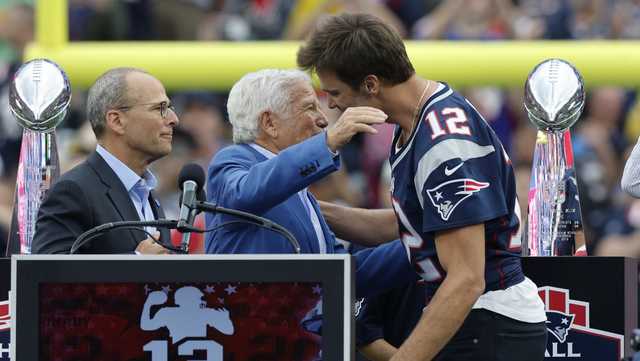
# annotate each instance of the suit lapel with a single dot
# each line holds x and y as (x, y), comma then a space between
(115, 191)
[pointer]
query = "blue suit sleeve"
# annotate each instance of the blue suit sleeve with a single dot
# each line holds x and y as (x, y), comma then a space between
(238, 182)
(382, 268)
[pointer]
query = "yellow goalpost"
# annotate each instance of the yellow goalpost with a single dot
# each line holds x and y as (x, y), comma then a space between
(217, 65)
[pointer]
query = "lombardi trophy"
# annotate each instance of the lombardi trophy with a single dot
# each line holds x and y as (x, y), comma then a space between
(38, 99)
(553, 99)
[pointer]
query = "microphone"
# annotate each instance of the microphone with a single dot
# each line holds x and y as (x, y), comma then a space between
(190, 181)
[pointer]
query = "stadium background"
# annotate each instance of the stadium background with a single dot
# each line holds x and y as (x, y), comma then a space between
(485, 48)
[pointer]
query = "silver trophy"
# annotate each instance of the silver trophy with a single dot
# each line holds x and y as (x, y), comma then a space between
(38, 98)
(553, 99)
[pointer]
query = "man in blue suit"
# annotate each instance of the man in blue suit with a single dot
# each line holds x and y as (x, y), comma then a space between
(281, 148)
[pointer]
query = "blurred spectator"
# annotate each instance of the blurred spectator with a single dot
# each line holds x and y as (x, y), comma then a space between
(107, 20)
(522, 133)
(523, 178)
(591, 19)
(524, 142)
(597, 144)
(16, 30)
(307, 13)
(203, 120)
(549, 19)
(492, 106)
(17, 27)
(620, 246)
(600, 130)
(410, 11)
(254, 19)
(625, 19)
(194, 17)
(466, 20)
(74, 146)
(631, 125)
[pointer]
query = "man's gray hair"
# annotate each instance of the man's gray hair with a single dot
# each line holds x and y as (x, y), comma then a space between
(258, 92)
(107, 93)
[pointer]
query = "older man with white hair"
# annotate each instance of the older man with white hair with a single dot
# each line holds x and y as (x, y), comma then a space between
(283, 144)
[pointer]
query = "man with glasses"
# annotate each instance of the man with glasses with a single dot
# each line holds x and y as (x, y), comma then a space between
(133, 121)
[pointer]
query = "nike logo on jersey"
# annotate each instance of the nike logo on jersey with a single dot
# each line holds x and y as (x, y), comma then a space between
(449, 172)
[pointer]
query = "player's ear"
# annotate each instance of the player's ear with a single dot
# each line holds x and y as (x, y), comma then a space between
(371, 84)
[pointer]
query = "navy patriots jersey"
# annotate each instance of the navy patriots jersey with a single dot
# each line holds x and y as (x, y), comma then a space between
(453, 172)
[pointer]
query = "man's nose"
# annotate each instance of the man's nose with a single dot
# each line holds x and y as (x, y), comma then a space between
(172, 118)
(322, 120)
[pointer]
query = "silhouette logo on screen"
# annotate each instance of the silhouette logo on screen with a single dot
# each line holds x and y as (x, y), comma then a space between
(188, 319)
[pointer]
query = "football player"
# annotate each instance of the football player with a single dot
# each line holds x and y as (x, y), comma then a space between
(453, 193)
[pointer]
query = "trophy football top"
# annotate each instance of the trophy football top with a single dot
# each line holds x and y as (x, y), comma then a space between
(554, 95)
(39, 95)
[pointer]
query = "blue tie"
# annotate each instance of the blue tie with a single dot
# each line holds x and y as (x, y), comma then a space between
(142, 191)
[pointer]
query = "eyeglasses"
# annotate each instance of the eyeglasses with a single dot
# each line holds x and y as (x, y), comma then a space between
(163, 107)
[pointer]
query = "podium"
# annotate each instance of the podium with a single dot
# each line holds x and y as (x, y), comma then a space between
(159, 308)
(289, 307)
(591, 304)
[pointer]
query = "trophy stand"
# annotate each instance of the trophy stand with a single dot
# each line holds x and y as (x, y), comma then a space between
(39, 98)
(554, 99)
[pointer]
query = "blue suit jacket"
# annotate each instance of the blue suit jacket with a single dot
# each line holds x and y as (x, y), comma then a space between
(239, 177)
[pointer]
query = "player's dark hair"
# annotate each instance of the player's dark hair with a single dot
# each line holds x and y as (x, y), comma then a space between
(354, 46)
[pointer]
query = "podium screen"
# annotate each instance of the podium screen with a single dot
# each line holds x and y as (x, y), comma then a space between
(186, 308)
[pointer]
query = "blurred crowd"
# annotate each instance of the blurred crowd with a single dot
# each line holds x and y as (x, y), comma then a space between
(602, 139)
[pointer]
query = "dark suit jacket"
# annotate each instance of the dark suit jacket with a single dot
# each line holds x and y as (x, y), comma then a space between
(87, 196)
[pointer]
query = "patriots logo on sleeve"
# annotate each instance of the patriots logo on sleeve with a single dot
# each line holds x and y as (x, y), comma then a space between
(448, 195)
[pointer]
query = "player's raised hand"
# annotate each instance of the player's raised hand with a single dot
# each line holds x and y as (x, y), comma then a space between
(354, 120)
(156, 298)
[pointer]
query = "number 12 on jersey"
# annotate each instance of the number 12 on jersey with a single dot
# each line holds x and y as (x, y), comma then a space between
(454, 118)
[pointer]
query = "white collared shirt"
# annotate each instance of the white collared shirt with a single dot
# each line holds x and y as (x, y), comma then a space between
(304, 197)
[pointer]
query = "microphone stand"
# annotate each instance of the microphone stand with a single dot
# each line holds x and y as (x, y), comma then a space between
(96, 231)
(198, 206)
(252, 218)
